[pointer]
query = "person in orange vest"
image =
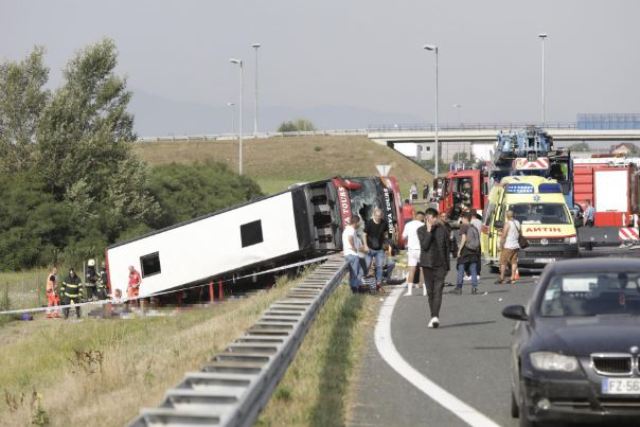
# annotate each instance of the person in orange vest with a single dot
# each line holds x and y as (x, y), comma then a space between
(53, 299)
(133, 290)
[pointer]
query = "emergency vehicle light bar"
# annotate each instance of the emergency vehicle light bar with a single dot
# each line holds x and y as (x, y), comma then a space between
(519, 189)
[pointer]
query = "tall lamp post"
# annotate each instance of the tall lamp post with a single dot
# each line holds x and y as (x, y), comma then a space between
(434, 49)
(256, 46)
(240, 64)
(542, 37)
(231, 106)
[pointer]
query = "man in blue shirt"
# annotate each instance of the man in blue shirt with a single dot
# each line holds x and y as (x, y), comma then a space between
(589, 214)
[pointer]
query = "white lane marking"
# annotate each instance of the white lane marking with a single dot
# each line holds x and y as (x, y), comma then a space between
(390, 354)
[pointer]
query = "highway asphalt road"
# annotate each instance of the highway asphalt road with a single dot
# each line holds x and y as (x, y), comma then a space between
(468, 356)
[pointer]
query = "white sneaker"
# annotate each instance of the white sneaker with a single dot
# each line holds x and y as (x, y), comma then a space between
(467, 278)
(435, 322)
(408, 294)
(424, 290)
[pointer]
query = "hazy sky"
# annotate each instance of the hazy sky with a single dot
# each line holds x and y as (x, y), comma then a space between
(364, 53)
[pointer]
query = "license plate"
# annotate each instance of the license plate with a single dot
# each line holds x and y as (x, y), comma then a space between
(544, 260)
(621, 386)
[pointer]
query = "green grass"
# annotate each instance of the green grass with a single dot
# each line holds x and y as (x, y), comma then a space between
(317, 388)
(276, 163)
(24, 289)
(100, 372)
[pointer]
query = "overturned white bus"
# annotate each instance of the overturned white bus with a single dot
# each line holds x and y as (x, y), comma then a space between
(302, 222)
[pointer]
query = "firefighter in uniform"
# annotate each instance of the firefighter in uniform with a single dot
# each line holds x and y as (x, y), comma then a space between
(71, 292)
(91, 281)
(53, 299)
(102, 281)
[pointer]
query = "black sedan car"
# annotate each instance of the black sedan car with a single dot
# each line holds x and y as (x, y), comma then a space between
(576, 349)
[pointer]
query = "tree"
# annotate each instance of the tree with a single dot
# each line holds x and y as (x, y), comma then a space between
(297, 125)
(22, 100)
(582, 146)
(84, 145)
(463, 156)
(187, 191)
(36, 238)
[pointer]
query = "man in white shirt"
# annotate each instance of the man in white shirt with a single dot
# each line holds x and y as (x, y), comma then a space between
(410, 234)
(351, 247)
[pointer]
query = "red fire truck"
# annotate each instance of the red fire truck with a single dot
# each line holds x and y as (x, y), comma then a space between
(611, 184)
(466, 187)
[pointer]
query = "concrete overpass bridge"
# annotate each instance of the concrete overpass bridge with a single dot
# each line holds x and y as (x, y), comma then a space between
(480, 138)
(486, 133)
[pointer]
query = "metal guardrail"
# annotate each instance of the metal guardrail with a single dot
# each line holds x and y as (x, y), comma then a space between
(467, 126)
(399, 127)
(233, 387)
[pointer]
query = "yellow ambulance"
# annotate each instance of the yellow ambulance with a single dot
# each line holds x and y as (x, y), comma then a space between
(545, 220)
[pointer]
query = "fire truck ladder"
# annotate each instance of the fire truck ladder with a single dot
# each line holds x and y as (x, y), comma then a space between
(233, 387)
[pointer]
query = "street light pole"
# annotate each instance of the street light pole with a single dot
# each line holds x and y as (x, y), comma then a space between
(256, 46)
(434, 49)
(231, 106)
(542, 37)
(239, 63)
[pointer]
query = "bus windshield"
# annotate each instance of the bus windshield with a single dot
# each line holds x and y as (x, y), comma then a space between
(541, 213)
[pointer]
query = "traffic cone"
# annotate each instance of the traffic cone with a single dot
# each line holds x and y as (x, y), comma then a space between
(517, 275)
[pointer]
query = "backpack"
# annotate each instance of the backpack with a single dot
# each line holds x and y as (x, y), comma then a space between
(473, 239)
(522, 241)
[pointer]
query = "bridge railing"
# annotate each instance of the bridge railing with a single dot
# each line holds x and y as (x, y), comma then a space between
(429, 127)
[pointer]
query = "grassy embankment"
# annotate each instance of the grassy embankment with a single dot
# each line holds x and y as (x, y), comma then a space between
(277, 162)
(317, 389)
(100, 372)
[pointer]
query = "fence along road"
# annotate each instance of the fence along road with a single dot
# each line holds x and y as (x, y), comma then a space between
(233, 387)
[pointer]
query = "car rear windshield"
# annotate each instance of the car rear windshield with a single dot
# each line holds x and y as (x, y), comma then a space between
(540, 213)
(592, 294)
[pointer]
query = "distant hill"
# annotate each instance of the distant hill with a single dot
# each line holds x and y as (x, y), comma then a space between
(278, 162)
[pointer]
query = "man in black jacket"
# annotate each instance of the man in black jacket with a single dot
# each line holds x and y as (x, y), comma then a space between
(434, 259)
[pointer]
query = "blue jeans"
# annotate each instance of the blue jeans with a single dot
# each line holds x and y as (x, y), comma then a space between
(378, 254)
(390, 266)
(473, 270)
(355, 271)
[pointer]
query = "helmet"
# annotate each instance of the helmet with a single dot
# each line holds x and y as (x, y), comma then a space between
(91, 263)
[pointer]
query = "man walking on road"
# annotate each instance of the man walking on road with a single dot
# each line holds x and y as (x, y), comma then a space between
(434, 259)
(468, 254)
(410, 234)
